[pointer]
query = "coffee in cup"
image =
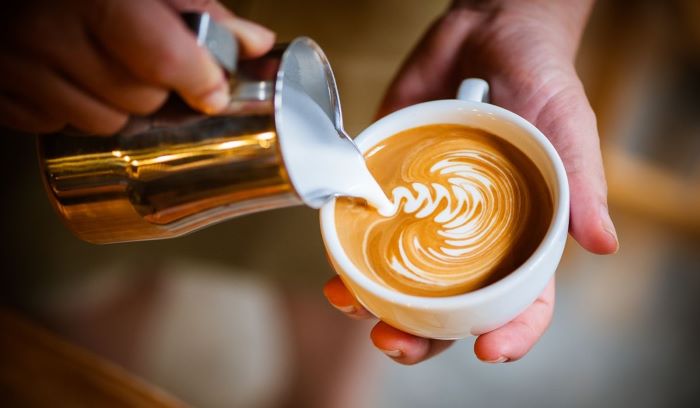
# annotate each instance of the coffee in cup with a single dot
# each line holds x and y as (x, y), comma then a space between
(469, 208)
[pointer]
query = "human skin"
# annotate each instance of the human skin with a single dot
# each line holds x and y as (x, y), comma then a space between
(525, 49)
(89, 64)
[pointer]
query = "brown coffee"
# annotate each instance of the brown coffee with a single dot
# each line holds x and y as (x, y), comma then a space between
(470, 208)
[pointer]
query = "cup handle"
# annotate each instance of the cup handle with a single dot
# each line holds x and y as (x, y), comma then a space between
(473, 89)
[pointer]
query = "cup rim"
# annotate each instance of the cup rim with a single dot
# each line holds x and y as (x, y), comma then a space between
(558, 225)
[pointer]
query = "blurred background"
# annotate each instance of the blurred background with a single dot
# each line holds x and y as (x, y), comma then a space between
(233, 316)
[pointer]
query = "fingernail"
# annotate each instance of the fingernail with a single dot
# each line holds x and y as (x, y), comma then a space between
(215, 100)
(392, 353)
(350, 309)
(608, 225)
(501, 359)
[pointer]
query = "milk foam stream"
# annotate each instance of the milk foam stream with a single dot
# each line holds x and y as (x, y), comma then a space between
(320, 160)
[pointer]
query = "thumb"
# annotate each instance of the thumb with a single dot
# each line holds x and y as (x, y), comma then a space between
(569, 122)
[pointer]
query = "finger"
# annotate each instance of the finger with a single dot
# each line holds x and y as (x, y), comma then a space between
(402, 347)
(99, 75)
(512, 341)
(114, 85)
(150, 39)
(340, 297)
(79, 59)
(568, 120)
(426, 73)
(108, 80)
(58, 98)
(405, 348)
(254, 39)
(19, 115)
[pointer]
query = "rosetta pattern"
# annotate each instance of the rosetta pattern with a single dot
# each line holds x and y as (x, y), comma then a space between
(458, 227)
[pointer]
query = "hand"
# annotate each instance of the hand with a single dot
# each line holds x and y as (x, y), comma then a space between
(525, 50)
(91, 63)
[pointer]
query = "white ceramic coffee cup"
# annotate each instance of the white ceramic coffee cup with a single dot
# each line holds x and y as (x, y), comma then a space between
(485, 309)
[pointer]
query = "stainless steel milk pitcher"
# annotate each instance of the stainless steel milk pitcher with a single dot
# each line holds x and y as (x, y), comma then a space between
(179, 170)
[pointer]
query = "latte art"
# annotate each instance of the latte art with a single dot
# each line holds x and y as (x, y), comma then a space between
(464, 211)
(474, 210)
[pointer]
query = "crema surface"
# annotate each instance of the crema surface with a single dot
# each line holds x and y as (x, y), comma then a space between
(469, 208)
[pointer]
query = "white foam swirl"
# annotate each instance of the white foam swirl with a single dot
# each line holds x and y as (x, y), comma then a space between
(475, 205)
(467, 208)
